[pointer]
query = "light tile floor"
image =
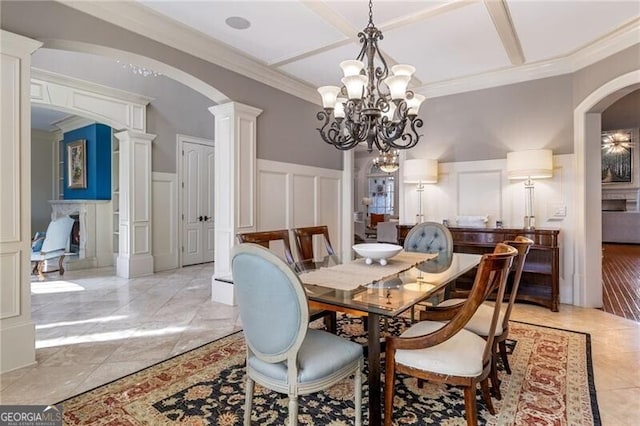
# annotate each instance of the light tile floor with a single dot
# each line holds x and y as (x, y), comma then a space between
(92, 328)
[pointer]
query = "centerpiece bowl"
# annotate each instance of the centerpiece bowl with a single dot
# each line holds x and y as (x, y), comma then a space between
(379, 252)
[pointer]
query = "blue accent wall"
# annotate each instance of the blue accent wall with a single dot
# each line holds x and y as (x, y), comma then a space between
(98, 153)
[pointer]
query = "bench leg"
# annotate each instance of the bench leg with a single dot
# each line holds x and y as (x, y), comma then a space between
(40, 267)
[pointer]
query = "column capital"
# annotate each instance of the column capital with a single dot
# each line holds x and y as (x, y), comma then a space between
(231, 107)
(132, 134)
(17, 44)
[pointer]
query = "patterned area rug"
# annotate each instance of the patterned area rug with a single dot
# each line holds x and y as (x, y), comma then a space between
(551, 384)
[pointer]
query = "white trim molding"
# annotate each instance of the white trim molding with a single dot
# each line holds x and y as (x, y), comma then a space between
(117, 108)
(17, 330)
(587, 280)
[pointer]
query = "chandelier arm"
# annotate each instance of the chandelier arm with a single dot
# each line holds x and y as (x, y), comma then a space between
(410, 139)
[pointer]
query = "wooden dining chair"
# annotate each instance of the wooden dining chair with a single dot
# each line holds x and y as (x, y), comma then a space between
(444, 352)
(481, 321)
(265, 238)
(304, 240)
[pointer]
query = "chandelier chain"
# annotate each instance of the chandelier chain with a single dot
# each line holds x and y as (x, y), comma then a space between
(370, 14)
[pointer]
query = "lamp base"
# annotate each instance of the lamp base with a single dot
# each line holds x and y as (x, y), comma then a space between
(529, 222)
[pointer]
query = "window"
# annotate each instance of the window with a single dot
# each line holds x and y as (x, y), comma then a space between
(382, 189)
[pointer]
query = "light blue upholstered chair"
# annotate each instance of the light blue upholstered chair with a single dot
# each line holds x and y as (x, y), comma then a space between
(429, 237)
(283, 354)
(55, 245)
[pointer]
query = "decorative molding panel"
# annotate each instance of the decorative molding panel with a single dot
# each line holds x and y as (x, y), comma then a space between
(10, 288)
(117, 108)
(165, 221)
(293, 195)
(480, 193)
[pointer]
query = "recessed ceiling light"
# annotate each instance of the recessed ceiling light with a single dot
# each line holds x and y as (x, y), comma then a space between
(237, 22)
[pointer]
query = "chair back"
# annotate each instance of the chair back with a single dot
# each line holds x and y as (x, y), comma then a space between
(522, 244)
(58, 235)
(264, 238)
(304, 240)
(492, 275)
(376, 218)
(429, 237)
(272, 303)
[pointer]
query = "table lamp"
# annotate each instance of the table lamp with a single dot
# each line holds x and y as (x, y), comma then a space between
(420, 171)
(530, 164)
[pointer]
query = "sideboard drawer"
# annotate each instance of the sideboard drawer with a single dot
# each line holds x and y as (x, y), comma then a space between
(477, 237)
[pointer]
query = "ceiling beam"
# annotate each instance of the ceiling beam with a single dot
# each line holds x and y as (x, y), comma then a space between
(499, 12)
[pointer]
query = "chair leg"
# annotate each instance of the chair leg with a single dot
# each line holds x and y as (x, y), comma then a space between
(330, 322)
(469, 406)
(60, 267)
(248, 401)
(389, 391)
(293, 410)
(502, 345)
(484, 386)
(41, 270)
(358, 391)
(493, 375)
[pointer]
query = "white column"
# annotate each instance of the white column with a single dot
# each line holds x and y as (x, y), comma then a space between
(348, 207)
(17, 330)
(134, 255)
(235, 186)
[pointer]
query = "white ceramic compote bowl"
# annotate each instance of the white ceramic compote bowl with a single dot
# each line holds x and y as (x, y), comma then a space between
(379, 252)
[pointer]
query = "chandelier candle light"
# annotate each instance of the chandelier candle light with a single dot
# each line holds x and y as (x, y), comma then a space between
(371, 106)
(388, 161)
(530, 164)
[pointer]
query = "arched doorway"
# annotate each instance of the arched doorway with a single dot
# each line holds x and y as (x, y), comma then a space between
(587, 278)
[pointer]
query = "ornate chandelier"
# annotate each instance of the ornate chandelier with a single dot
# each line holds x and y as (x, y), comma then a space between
(371, 106)
(617, 143)
(388, 161)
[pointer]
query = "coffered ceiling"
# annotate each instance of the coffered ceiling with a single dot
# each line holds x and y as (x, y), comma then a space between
(455, 45)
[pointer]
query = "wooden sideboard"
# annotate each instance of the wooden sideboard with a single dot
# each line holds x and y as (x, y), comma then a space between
(540, 277)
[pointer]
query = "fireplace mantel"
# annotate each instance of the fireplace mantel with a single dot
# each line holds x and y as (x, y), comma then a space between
(95, 230)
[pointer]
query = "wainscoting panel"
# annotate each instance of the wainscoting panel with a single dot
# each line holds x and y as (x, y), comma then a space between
(480, 193)
(292, 195)
(164, 230)
(273, 211)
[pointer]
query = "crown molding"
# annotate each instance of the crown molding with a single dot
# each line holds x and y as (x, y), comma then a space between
(151, 24)
(624, 37)
(72, 123)
(148, 23)
(64, 80)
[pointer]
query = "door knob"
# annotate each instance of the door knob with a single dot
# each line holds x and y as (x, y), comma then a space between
(206, 218)
(200, 218)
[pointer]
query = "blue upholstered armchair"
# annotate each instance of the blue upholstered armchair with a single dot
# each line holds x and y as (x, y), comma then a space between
(54, 245)
(283, 354)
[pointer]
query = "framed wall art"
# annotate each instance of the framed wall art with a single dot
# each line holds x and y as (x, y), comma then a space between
(617, 156)
(77, 164)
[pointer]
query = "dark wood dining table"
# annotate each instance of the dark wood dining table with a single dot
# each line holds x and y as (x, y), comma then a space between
(385, 297)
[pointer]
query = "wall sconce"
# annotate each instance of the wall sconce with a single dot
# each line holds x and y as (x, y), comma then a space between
(530, 164)
(420, 171)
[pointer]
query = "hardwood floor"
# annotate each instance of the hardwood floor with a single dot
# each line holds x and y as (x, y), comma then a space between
(621, 280)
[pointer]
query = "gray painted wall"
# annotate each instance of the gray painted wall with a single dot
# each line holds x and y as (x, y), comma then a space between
(41, 185)
(623, 114)
(286, 128)
(486, 124)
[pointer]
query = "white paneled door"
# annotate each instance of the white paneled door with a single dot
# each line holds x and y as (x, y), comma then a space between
(197, 203)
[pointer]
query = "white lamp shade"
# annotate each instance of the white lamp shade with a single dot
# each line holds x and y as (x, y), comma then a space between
(355, 85)
(397, 85)
(420, 171)
(414, 103)
(403, 69)
(533, 163)
(351, 67)
(338, 111)
(329, 95)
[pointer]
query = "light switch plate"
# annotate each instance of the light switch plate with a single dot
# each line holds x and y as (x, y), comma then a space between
(557, 211)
